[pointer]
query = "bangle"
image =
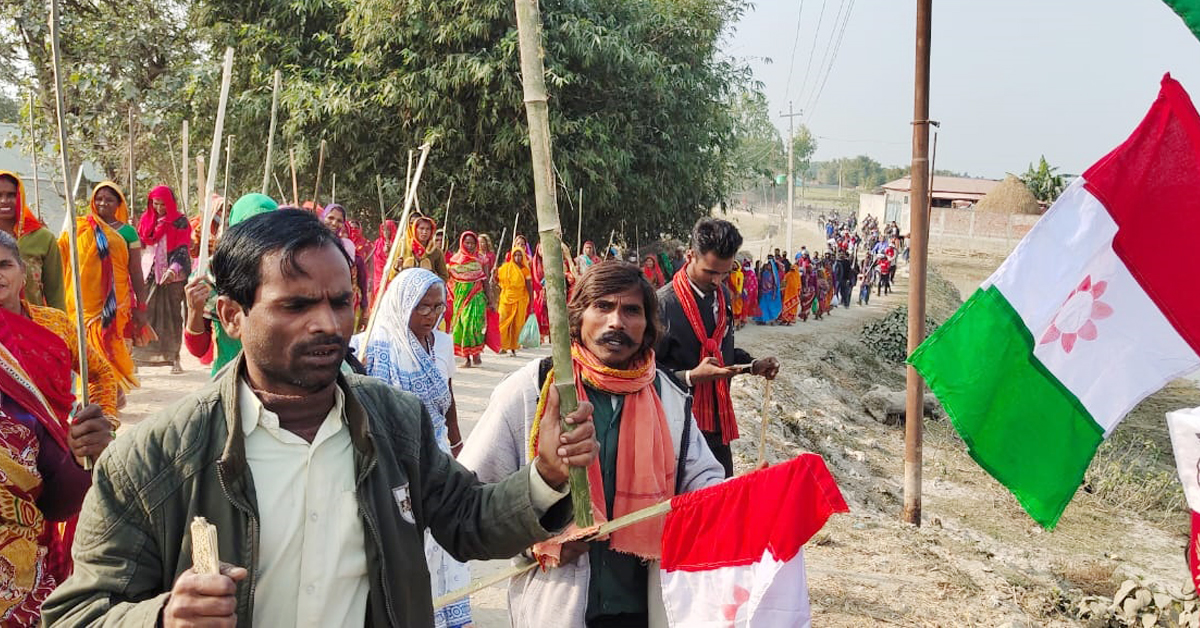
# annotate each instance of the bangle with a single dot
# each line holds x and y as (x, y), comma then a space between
(455, 445)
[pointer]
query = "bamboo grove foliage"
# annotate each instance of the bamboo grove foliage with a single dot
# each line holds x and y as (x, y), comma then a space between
(640, 105)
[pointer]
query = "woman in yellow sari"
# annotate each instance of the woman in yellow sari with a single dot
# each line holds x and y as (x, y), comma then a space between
(791, 294)
(736, 284)
(110, 278)
(515, 282)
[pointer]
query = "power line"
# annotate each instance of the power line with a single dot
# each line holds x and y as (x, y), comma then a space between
(832, 60)
(820, 17)
(833, 32)
(787, 93)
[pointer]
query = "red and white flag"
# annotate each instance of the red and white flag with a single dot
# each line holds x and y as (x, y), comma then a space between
(732, 553)
(1184, 426)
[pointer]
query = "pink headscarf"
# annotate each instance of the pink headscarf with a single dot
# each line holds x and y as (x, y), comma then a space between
(171, 226)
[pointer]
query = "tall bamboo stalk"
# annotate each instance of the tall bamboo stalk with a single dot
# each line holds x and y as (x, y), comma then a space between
(213, 160)
(185, 166)
(320, 166)
(399, 244)
(33, 156)
(295, 184)
(533, 80)
(131, 192)
(60, 109)
(271, 133)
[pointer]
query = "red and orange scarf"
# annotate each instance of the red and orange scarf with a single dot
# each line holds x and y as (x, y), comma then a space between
(707, 411)
(645, 454)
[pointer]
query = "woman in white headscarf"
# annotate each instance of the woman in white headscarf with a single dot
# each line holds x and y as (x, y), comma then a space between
(408, 351)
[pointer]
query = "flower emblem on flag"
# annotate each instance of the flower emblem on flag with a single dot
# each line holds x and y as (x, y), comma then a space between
(740, 596)
(1076, 319)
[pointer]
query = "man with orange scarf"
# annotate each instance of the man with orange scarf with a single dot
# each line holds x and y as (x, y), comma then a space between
(650, 450)
(698, 346)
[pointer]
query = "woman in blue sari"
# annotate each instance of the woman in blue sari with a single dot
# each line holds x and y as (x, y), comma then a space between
(770, 295)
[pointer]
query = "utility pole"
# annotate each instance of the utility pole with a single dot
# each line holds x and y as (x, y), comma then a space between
(919, 255)
(791, 178)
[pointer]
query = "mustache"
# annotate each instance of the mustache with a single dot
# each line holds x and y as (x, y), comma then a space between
(616, 336)
(322, 340)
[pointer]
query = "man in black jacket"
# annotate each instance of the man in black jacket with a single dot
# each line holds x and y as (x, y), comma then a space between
(697, 345)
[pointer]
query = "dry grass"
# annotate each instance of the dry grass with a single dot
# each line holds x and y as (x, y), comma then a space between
(1010, 197)
(1093, 577)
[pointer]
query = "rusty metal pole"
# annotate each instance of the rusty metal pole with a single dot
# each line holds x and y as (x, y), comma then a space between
(914, 407)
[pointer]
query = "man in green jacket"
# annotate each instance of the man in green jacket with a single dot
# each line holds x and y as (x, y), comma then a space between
(321, 485)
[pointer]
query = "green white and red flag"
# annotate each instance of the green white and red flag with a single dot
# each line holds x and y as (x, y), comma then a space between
(1094, 310)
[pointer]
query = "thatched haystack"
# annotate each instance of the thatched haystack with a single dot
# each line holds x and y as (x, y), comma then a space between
(1010, 197)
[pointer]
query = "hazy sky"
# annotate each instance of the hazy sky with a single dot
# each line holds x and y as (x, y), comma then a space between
(1010, 80)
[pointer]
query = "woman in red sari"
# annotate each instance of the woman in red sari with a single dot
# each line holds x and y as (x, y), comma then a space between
(750, 307)
(537, 305)
(652, 272)
(379, 254)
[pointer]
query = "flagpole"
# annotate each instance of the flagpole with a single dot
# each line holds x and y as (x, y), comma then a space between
(72, 239)
(537, 109)
(914, 406)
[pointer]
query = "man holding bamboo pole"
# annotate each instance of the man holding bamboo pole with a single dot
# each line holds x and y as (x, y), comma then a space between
(321, 485)
(650, 450)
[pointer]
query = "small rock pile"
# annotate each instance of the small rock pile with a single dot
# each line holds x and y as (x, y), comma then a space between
(1142, 606)
(888, 336)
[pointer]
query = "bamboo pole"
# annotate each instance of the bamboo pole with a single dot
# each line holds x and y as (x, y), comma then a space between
(271, 133)
(33, 154)
(533, 80)
(174, 166)
(131, 192)
(579, 229)
(408, 173)
(225, 186)
(213, 153)
(200, 185)
(295, 185)
(333, 191)
(382, 208)
(279, 186)
(399, 243)
(72, 239)
(320, 167)
(446, 222)
(185, 166)
(762, 437)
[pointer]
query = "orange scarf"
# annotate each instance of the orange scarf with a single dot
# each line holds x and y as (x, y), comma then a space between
(645, 455)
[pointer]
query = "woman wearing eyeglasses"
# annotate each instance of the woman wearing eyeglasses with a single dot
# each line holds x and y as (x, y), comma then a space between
(408, 351)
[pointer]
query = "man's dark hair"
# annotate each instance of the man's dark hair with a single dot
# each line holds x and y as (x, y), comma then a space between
(716, 236)
(610, 277)
(237, 263)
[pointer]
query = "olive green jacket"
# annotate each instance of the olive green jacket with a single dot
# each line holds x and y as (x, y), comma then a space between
(189, 460)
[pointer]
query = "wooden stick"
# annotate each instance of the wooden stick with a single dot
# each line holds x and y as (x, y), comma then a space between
(537, 109)
(295, 185)
(174, 167)
(225, 186)
(608, 249)
(762, 438)
(446, 219)
(131, 192)
(333, 191)
(579, 229)
(271, 133)
(650, 512)
(320, 166)
(213, 160)
(72, 238)
(200, 185)
(282, 195)
(408, 173)
(382, 209)
(33, 154)
(186, 166)
(399, 244)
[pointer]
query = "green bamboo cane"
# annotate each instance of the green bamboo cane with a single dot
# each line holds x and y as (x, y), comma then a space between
(533, 79)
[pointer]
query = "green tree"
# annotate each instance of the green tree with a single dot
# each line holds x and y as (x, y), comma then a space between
(758, 152)
(1043, 182)
(10, 108)
(804, 144)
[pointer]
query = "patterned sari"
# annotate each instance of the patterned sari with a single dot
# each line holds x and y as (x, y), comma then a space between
(26, 576)
(467, 275)
(399, 358)
(791, 295)
(808, 291)
(108, 298)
